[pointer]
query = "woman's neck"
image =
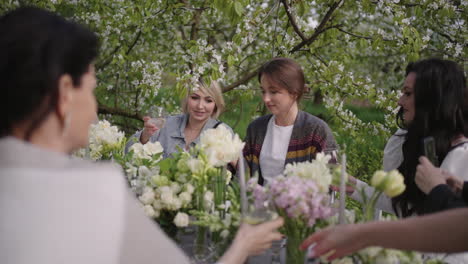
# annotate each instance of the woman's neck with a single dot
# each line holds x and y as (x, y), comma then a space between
(288, 118)
(47, 135)
(458, 139)
(195, 125)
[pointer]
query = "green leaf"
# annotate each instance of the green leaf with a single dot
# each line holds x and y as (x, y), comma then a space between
(238, 8)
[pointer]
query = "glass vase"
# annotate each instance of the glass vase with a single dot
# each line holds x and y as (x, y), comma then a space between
(293, 254)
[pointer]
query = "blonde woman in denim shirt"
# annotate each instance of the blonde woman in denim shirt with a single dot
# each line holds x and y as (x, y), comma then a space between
(201, 107)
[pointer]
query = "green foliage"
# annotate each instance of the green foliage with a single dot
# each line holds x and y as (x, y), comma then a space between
(153, 51)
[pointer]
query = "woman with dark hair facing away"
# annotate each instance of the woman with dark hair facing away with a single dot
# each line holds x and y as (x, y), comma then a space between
(57, 209)
(286, 135)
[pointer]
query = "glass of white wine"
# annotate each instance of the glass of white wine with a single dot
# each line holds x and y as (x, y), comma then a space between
(255, 216)
(158, 116)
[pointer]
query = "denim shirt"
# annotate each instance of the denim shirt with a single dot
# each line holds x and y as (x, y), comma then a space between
(172, 134)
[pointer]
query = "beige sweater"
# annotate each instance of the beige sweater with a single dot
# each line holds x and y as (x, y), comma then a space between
(55, 209)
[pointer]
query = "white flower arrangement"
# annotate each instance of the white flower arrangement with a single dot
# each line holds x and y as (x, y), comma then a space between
(220, 146)
(146, 151)
(317, 170)
(105, 141)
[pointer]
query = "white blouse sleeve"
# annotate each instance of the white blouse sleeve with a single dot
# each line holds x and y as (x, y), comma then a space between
(456, 162)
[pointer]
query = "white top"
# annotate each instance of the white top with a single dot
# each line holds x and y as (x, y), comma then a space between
(456, 161)
(393, 152)
(57, 209)
(274, 149)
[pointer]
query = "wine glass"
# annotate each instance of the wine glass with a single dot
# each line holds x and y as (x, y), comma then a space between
(158, 116)
(255, 216)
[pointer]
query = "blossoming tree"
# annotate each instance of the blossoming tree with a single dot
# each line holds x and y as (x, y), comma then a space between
(152, 50)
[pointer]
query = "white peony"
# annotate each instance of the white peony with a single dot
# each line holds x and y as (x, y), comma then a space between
(208, 199)
(181, 220)
(147, 197)
(189, 188)
(151, 148)
(103, 133)
(138, 151)
(316, 170)
(185, 198)
(220, 146)
(196, 166)
(175, 204)
(175, 187)
(149, 211)
(157, 205)
(166, 194)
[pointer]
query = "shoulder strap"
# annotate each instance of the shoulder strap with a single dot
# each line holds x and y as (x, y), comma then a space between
(217, 124)
(457, 145)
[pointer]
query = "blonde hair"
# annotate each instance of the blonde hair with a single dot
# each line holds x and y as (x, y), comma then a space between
(214, 91)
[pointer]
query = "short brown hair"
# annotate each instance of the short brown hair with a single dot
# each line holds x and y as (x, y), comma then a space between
(285, 72)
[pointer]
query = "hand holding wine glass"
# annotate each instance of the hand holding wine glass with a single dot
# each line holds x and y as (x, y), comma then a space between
(154, 121)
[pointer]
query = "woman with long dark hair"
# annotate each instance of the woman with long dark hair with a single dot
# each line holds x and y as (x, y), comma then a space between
(434, 104)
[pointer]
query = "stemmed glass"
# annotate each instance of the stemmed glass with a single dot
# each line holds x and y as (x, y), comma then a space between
(255, 216)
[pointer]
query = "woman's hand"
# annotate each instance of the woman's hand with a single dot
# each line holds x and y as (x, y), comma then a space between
(148, 130)
(350, 186)
(455, 183)
(252, 240)
(336, 242)
(427, 176)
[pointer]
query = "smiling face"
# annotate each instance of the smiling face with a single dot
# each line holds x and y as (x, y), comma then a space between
(406, 101)
(200, 106)
(277, 99)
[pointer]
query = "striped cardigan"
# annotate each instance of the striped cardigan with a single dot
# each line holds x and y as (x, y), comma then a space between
(310, 135)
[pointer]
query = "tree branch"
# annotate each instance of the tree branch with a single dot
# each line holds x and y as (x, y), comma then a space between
(108, 60)
(134, 43)
(320, 29)
(102, 109)
(195, 23)
(293, 21)
(241, 81)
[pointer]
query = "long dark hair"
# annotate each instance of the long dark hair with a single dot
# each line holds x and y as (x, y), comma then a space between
(440, 102)
(36, 48)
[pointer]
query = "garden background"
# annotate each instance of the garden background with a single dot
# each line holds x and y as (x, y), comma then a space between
(353, 52)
